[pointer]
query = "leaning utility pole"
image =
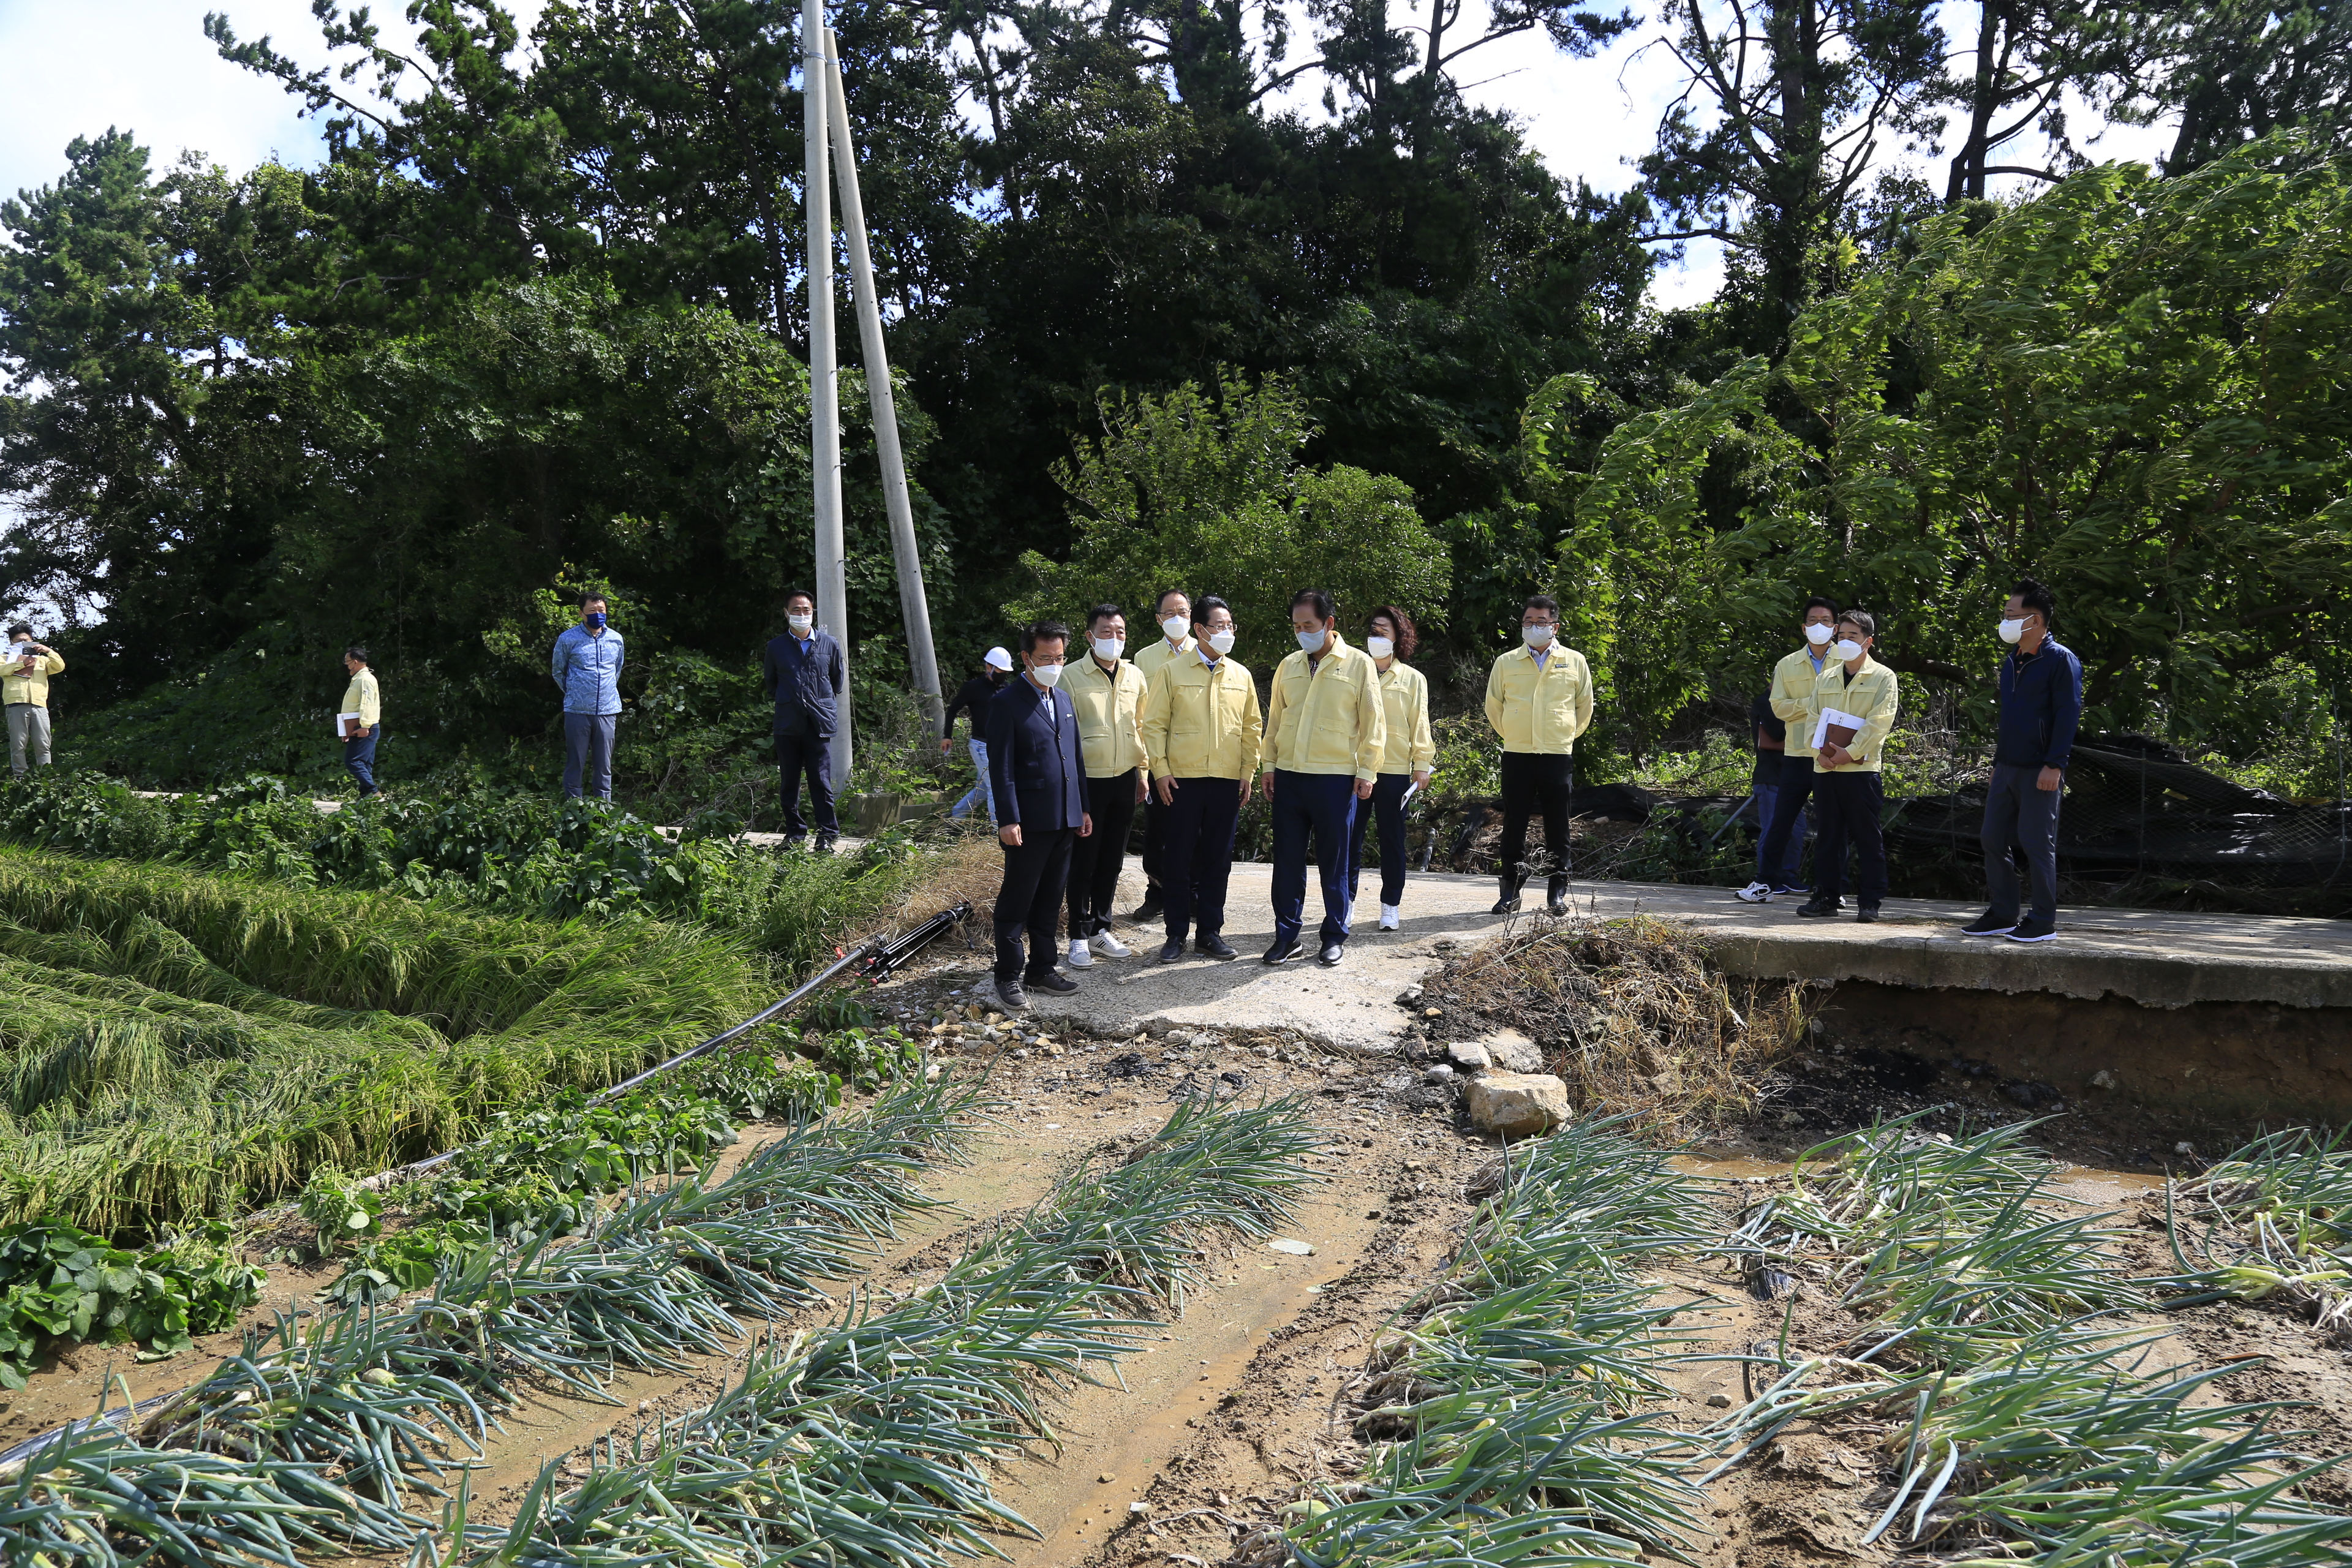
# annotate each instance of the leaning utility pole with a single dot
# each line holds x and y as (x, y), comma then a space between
(825, 392)
(913, 605)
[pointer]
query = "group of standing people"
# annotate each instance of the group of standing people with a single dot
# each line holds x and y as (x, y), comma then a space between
(1070, 748)
(1821, 739)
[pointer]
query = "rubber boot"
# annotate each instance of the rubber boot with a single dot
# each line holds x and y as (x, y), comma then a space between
(1508, 904)
(1556, 896)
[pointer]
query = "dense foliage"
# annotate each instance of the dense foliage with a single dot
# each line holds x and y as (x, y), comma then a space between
(479, 849)
(61, 1284)
(533, 325)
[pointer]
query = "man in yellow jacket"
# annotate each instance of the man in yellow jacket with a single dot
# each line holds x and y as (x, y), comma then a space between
(1110, 695)
(1540, 699)
(25, 687)
(1326, 732)
(1202, 735)
(1781, 812)
(1859, 693)
(361, 698)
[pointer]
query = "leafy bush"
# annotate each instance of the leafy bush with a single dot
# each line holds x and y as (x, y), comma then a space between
(590, 1147)
(58, 1282)
(343, 1211)
(759, 1087)
(408, 1260)
(869, 1058)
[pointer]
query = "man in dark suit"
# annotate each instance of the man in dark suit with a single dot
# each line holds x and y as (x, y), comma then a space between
(1040, 783)
(804, 671)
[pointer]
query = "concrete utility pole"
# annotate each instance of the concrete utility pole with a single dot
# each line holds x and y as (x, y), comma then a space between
(825, 391)
(913, 605)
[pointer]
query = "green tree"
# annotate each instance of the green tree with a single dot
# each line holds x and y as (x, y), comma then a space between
(1207, 492)
(2135, 389)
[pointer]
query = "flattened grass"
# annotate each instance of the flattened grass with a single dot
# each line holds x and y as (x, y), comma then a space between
(173, 1044)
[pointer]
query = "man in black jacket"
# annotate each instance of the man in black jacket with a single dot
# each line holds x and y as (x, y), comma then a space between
(1040, 783)
(2040, 709)
(804, 671)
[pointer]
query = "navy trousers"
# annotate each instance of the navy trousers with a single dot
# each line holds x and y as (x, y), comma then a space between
(358, 758)
(1320, 807)
(1850, 808)
(1388, 818)
(806, 755)
(1196, 854)
(588, 754)
(2022, 817)
(1783, 844)
(1036, 874)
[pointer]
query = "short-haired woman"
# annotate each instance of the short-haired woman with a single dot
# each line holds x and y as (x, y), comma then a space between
(1389, 638)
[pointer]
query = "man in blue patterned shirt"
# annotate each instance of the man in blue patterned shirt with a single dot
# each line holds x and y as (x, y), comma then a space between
(587, 671)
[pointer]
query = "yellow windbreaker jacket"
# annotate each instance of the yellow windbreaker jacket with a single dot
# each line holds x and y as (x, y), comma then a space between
(1110, 715)
(1201, 721)
(1326, 717)
(1792, 697)
(1540, 708)
(1404, 707)
(1870, 696)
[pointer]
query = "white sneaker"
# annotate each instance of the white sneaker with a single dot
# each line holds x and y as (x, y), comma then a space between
(1079, 957)
(1755, 893)
(1109, 946)
(1389, 920)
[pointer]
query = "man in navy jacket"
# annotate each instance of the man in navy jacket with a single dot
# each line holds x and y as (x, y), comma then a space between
(2041, 707)
(804, 671)
(1040, 783)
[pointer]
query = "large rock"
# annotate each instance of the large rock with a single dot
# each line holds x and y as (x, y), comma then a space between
(1516, 1104)
(1511, 1051)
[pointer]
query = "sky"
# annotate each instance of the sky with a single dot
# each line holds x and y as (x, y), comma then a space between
(73, 67)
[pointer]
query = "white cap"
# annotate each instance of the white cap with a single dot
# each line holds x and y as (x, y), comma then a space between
(997, 658)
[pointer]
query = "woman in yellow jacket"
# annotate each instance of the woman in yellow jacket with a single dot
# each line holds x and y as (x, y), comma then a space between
(1410, 751)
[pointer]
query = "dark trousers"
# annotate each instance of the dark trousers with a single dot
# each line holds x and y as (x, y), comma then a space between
(1196, 857)
(1096, 860)
(1386, 817)
(2021, 818)
(1320, 808)
(806, 755)
(1535, 783)
(358, 758)
(1778, 849)
(1036, 873)
(1850, 811)
(588, 754)
(1155, 847)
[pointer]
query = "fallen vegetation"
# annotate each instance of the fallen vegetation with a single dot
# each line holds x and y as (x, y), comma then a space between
(174, 1044)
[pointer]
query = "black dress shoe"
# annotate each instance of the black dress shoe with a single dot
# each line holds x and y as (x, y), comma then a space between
(1333, 952)
(825, 844)
(1818, 908)
(1213, 945)
(1170, 952)
(1052, 980)
(1284, 952)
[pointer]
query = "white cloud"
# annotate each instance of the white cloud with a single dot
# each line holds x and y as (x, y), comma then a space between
(74, 68)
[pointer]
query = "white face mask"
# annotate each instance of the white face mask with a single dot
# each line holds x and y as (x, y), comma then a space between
(1848, 650)
(1310, 641)
(1221, 643)
(1538, 636)
(799, 623)
(1819, 635)
(1108, 649)
(1380, 647)
(2013, 631)
(1047, 675)
(1175, 627)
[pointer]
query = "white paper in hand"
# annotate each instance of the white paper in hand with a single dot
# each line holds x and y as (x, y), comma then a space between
(345, 723)
(1832, 716)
